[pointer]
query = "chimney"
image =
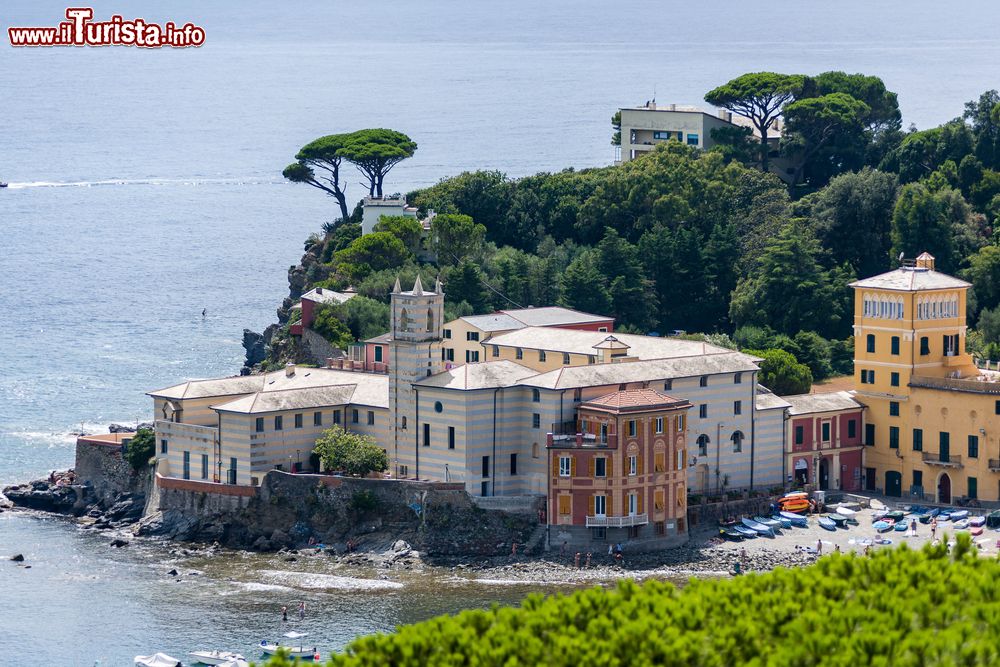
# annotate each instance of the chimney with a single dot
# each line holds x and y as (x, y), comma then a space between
(722, 114)
(289, 370)
(925, 260)
(319, 290)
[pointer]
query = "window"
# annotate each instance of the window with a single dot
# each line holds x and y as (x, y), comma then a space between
(662, 135)
(800, 435)
(918, 439)
(378, 354)
(519, 353)
(703, 381)
(681, 421)
(600, 467)
(737, 439)
(738, 378)
(336, 416)
(600, 505)
(703, 410)
(541, 355)
(602, 329)
(870, 343)
(402, 425)
(659, 425)
(564, 504)
(317, 419)
(680, 459)
(871, 377)
(163, 445)
(825, 431)
(534, 450)
(668, 385)
(447, 333)
(565, 358)
(298, 420)
(187, 465)
(427, 434)
(577, 395)
(737, 407)
(472, 335)
(536, 420)
(852, 429)
(894, 345)
(204, 466)
(659, 462)
(950, 345)
(893, 437)
(894, 379)
(354, 416)
(513, 464)
(447, 354)
(486, 466)
(996, 408)
(631, 428)
(451, 437)
(536, 396)
(973, 488)
(591, 359)
(633, 465)
(864, 376)
(471, 356)
(925, 346)
(260, 423)
(692, 140)
(870, 435)
(404, 471)
(278, 423)
(371, 417)
(973, 446)
(893, 408)
(484, 489)
(438, 406)
(703, 445)
(565, 466)
(496, 350)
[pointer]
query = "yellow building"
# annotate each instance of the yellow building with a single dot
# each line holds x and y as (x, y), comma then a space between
(933, 417)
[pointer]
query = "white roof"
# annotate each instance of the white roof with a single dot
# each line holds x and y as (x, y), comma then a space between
(592, 375)
(576, 341)
(322, 295)
(485, 375)
(289, 399)
(768, 400)
(911, 279)
(553, 316)
(832, 401)
(493, 322)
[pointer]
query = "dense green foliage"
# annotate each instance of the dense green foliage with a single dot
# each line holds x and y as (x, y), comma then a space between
(781, 373)
(349, 452)
(141, 448)
(900, 607)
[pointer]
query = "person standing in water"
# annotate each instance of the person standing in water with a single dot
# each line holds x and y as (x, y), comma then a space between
(302, 610)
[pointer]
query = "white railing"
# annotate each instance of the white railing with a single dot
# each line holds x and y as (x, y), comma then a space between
(617, 521)
(182, 431)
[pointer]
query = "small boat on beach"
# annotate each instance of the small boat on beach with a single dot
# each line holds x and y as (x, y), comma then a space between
(773, 524)
(730, 534)
(157, 660)
(976, 530)
(900, 526)
(993, 519)
(825, 522)
(883, 526)
(838, 519)
(796, 519)
(797, 501)
(758, 528)
(745, 532)
(785, 523)
(926, 518)
(895, 515)
(876, 504)
(961, 524)
(215, 657)
(958, 515)
(271, 648)
(846, 511)
(976, 521)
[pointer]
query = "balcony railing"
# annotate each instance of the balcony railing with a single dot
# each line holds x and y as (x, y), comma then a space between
(582, 440)
(181, 431)
(949, 460)
(617, 521)
(973, 385)
(345, 364)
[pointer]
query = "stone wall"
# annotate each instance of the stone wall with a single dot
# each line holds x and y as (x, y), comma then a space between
(106, 474)
(710, 513)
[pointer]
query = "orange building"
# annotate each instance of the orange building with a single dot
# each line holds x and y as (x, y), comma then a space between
(622, 476)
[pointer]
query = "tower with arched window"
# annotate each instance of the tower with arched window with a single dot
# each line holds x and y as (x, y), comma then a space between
(417, 316)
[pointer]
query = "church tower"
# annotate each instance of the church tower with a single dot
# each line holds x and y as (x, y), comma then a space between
(415, 338)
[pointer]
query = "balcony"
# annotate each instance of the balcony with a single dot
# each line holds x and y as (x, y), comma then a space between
(980, 384)
(177, 432)
(994, 465)
(953, 359)
(609, 441)
(617, 521)
(345, 364)
(948, 461)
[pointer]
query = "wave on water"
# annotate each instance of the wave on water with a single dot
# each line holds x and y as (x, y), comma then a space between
(142, 181)
(306, 580)
(61, 437)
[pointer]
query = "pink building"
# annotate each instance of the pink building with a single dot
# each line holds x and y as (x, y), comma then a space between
(824, 446)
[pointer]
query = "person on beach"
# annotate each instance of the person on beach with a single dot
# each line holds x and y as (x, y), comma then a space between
(836, 549)
(576, 560)
(743, 556)
(819, 547)
(513, 550)
(302, 610)
(934, 528)
(562, 549)
(587, 564)
(913, 527)
(611, 551)
(284, 614)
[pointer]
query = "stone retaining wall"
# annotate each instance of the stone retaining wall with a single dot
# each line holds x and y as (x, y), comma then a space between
(101, 467)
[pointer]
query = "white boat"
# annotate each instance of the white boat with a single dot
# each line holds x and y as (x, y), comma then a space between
(270, 648)
(215, 657)
(845, 511)
(239, 662)
(157, 660)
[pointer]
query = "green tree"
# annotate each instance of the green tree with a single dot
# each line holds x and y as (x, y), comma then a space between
(375, 152)
(455, 237)
(988, 327)
(465, 283)
(371, 252)
(940, 222)
(318, 164)
(814, 123)
(984, 274)
(984, 115)
(782, 373)
(760, 97)
(852, 218)
(633, 300)
(814, 352)
(141, 448)
(327, 324)
(406, 229)
(364, 317)
(736, 143)
(616, 125)
(352, 453)
(584, 287)
(921, 153)
(883, 105)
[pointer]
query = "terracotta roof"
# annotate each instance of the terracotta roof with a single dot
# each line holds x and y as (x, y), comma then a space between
(634, 400)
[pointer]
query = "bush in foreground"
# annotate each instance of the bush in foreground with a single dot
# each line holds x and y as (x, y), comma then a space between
(898, 607)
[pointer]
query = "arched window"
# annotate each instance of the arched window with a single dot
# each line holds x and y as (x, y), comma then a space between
(534, 450)
(404, 320)
(430, 319)
(703, 445)
(737, 439)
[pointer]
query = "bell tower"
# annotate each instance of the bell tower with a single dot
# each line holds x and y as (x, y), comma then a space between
(417, 318)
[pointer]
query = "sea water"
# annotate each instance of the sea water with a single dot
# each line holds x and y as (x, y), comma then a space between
(145, 187)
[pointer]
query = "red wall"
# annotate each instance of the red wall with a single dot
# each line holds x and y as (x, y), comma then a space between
(589, 326)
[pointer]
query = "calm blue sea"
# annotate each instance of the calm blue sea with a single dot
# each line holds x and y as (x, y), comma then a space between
(145, 186)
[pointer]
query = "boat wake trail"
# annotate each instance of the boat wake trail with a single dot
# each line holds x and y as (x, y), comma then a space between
(142, 181)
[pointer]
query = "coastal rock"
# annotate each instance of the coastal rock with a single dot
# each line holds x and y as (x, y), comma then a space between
(279, 539)
(172, 573)
(261, 544)
(255, 346)
(18, 558)
(119, 543)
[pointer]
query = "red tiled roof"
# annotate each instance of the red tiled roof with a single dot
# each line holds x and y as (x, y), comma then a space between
(633, 400)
